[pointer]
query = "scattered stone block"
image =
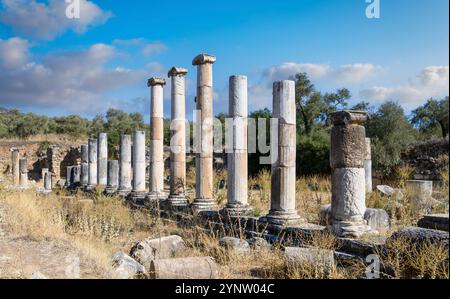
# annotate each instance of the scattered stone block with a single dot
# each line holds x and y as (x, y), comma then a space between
(127, 268)
(184, 268)
(436, 221)
(421, 236)
(162, 248)
(235, 245)
(377, 219)
(321, 259)
(259, 244)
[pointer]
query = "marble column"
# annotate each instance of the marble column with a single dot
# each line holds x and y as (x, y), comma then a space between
(113, 177)
(156, 138)
(125, 173)
(47, 181)
(368, 166)
(139, 165)
(23, 180)
(204, 173)
(15, 157)
(84, 176)
(76, 176)
(102, 160)
(92, 177)
(177, 196)
(283, 177)
(69, 177)
(237, 155)
(347, 155)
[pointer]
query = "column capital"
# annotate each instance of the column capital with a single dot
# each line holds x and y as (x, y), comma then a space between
(348, 117)
(177, 71)
(204, 58)
(156, 81)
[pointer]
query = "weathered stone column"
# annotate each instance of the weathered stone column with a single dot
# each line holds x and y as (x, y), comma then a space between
(156, 138)
(139, 165)
(113, 177)
(348, 149)
(368, 166)
(23, 180)
(237, 160)
(204, 173)
(76, 176)
(283, 208)
(69, 178)
(125, 165)
(102, 160)
(92, 178)
(177, 196)
(15, 157)
(47, 181)
(84, 176)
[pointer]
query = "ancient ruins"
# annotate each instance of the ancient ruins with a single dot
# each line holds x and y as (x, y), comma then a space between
(347, 217)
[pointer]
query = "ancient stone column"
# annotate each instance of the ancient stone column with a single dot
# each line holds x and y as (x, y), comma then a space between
(156, 138)
(76, 176)
(348, 151)
(204, 147)
(47, 181)
(15, 157)
(113, 177)
(23, 180)
(177, 196)
(237, 164)
(125, 165)
(368, 166)
(102, 160)
(92, 177)
(84, 176)
(69, 178)
(139, 166)
(283, 209)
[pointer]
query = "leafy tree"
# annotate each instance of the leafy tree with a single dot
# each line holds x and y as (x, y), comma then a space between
(432, 115)
(391, 134)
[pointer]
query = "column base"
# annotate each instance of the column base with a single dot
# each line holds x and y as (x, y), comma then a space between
(156, 196)
(90, 188)
(177, 201)
(123, 193)
(281, 218)
(110, 191)
(203, 204)
(353, 230)
(137, 198)
(236, 210)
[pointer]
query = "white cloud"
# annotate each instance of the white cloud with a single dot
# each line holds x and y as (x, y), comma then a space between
(350, 73)
(13, 53)
(433, 82)
(48, 20)
(74, 81)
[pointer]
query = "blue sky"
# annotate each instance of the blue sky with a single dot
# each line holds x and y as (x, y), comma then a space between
(56, 66)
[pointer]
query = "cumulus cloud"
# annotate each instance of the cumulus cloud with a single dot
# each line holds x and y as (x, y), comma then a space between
(46, 21)
(350, 73)
(74, 81)
(432, 81)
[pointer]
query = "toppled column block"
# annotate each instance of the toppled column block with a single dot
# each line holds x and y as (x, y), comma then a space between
(436, 221)
(151, 249)
(127, 268)
(184, 268)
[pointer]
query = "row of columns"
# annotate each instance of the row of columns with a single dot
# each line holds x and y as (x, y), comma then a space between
(348, 153)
